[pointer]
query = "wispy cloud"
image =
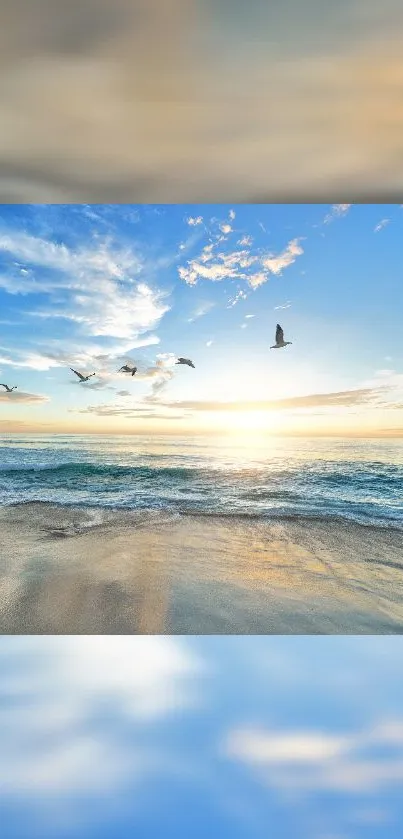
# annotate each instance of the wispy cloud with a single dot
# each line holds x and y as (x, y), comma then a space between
(20, 397)
(240, 295)
(245, 241)
(341, 399)
(381, 225)
(284, 305)
(337, 211)
(194, 221)
(100, 287)
(201, 310)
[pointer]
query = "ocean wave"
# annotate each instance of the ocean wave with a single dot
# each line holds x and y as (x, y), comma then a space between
(364, 491)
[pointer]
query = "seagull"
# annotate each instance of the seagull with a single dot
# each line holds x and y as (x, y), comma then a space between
(9, 389)
(127, 369)
(280, 339)
(185, 361)
(82, 378)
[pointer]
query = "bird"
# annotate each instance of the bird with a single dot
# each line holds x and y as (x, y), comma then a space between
(127, 369)
(8, 389)
(82, 378)
(279, 339)
(185, 361)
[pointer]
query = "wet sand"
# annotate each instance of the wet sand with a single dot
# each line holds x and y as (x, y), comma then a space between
(93, 572)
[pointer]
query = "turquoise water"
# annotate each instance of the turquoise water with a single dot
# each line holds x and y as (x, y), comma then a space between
(355, 479)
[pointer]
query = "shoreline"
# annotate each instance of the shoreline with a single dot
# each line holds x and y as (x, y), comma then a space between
(153, 574)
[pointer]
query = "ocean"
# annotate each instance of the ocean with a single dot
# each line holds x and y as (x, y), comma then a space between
(280, 535)
(353, 480)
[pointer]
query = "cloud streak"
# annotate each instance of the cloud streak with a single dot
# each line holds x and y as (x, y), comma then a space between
(19, 397)
(340, 399)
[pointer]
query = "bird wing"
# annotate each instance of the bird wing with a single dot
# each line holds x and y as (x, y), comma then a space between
(279, 334)
(6, 386)
(77, 374)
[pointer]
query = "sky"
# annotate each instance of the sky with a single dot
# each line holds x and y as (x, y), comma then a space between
(172, 737)
(94, 287)
(200, 100)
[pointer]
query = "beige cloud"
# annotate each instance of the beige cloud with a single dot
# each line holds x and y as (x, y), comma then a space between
(276, 264)
(126, 103)
(236, 264)
(341, 399)
(20, 396)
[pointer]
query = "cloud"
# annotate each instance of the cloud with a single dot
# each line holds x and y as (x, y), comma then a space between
(193, 222)
(245, 241)
(20, 397)
(250, 316)
(238, 264)
(209, 343)
(263, 747)
(283, 305)
(315, 762)
(101, 286)
(201, 310)
(381, 225)
(143, 410)
(162, 373)
(340, 399)
(365, 397)
(276, 264)
(135, 72)
(337, 211)
(158, 374)
(240, 295)
(225, 228)
(232, 214)
(53, 744)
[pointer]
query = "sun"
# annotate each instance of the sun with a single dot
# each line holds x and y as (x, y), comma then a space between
(246, 421)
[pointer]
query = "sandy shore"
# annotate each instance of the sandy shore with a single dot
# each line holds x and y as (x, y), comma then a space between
(75, 572)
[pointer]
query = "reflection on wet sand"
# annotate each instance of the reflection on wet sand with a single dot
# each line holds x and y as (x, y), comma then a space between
(73, 571)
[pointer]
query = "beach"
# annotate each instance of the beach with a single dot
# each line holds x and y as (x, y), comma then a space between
(71, 571)
(167, 535)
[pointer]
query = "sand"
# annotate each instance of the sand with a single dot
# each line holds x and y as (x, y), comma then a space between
(74, 572)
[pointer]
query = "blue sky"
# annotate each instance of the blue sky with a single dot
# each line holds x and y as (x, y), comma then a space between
(97, 286)
(160, 736)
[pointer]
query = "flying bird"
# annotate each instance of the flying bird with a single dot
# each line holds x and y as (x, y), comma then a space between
(185, 361)
(82, 378)
(279, 339)
(9, 389)
(127, 369)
